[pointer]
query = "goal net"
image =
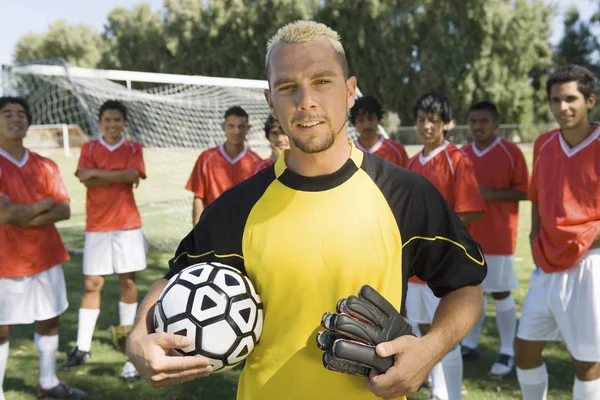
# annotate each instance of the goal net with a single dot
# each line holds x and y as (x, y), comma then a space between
(174, 117)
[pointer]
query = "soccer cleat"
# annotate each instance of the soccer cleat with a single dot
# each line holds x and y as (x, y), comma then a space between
(129, 373)
(503, 365)
(75, 357)
(468, 352)
(61, 391)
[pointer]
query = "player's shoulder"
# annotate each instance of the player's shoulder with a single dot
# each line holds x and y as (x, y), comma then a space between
(134, 146)
(546, 137)
(39, 161)
(90, 144)
(393, 143)
(513, 148)
(252, 154)
(456, 154)
(205, 154)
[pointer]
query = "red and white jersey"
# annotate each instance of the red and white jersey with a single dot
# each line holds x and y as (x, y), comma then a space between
(565, 184)
(112, 207)
(215, 172)
(30, 250)
(264, 164)
(451, 172)
(388, 149)
(501, 166)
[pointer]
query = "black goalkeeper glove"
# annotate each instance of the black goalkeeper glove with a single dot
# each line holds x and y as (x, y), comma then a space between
(361, 323)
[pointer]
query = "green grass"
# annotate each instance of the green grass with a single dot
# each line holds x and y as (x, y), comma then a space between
(167, 176)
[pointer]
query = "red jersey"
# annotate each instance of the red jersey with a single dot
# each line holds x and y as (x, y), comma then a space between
(215, 172)
(112, 207)
(565, 185)
(451, 172)
(388, 149)
(501, 166)
(264, 164)
(30, 250)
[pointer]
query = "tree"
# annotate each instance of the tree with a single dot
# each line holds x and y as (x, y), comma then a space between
(579, 43)
(79, 45)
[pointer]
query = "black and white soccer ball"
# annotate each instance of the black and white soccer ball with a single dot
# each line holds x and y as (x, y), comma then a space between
(217, 307)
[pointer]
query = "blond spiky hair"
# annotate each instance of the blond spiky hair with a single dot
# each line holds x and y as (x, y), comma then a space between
(304, 32)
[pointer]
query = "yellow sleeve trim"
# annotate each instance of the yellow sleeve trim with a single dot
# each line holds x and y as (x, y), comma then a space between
(206, 254)
(433, 239)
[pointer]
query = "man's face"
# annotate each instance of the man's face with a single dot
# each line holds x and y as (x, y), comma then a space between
(430, 128)
(235, 129)
(308, 93)
(366, 125)
(482, 125)
(278, 139)
(13, 122)
(569, 106)
(112, 123)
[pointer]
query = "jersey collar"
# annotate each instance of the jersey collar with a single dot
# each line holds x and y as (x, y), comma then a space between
(229, 159)
(424, 160)
(481, 153)
(322, 182)
(111, 147)
(18, 163)
(373, 148)
(570, 151)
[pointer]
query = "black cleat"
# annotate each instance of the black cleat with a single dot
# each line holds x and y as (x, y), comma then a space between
(469, 353)
(61, 391)
(75, 357)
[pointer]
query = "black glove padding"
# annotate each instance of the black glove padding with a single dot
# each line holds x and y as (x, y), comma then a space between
(361, 323)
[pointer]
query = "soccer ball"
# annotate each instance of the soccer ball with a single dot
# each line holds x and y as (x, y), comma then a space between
(217, 307)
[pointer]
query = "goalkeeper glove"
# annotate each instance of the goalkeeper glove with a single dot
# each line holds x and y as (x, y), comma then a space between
(360, 324)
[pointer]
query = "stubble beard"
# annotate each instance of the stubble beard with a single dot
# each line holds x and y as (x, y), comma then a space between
(313, 148)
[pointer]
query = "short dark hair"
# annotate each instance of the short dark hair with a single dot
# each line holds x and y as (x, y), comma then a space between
(436, 103)
(586, 81)
(364, 106)
(486, 106)
(269, 125)
(237, 111)
(113, 105)
(5, 100)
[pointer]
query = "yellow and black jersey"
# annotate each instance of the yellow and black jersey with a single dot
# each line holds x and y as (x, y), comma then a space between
(306, 242)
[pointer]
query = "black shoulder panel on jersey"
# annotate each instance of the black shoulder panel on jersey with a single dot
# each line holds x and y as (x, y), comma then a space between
(436, 246)
(218, 234)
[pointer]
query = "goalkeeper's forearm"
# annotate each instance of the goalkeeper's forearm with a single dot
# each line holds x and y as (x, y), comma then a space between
(144, 319)
(455, 316)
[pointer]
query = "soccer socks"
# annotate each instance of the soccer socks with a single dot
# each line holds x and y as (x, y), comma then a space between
(127, 313)
(472, 339)
(47, 346)
(586, 390)
(3, 361)
(438, 382)
(85, 329)
(506, 319)
(533, 382)
(453, 372)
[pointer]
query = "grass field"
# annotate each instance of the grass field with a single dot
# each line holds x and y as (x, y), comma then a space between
(167, 175)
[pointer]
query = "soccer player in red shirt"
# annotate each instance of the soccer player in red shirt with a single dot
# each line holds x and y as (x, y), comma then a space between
(114, 243)
(278, 141)
(220, 168)
(503, 179)
(32, 285)
(365, 115)
(451, 172)
(563, 299)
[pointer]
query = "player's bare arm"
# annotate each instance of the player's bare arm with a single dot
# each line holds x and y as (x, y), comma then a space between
(508, 195)
(535, 227)
(129, 175)
(415, 357)
(469, 217)
(20, 214)
(59, 212)
(148, 350)
(197, 209)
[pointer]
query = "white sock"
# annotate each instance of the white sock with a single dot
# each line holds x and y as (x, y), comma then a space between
(85, 329)
(472, 338)
(453, 371)
(127, 313)
(3, 361)
(533, 382)
(586, 390)
(506, 319)
(47, 346)
(438, 382)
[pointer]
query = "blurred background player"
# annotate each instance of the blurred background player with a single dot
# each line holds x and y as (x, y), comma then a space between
(32, 285)
(366, 116)
(451, 172)
(114, 243)
(503, 179)
(222, 167)
(278, 141)
(563, 299)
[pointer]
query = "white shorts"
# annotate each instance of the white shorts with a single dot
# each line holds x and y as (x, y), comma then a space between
(33, 298)
(565, 306)
(114, 252)
(421, 303)
(501, 276)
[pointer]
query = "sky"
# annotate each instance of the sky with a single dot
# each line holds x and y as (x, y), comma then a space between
(34, 16)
